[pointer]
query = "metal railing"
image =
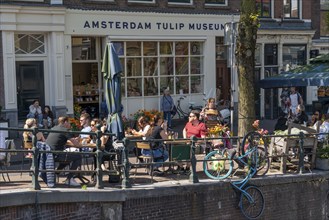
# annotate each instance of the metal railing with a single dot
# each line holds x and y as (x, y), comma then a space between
(123, 151)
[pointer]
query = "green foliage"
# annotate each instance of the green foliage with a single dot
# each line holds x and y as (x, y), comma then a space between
(323, 153)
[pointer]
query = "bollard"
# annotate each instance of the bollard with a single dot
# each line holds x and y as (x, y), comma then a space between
(35, 166)
(99, 156)
(301, 152)
(126, 166)
(193, 176)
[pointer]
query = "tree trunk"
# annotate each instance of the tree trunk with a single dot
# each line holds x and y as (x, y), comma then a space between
(245, 56)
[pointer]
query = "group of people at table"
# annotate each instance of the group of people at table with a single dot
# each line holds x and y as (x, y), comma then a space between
(154, 129)
(63, 141)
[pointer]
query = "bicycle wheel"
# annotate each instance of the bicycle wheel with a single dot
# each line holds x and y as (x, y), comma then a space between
(216, 165)
(252, 206)
(255, 147)
(263, 163)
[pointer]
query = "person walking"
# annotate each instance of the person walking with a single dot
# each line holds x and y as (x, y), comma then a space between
(167, 105)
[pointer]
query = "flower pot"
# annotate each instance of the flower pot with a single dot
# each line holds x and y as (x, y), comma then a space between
(322, 164)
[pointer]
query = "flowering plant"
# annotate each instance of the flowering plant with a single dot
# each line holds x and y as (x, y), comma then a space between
(77, 110)
(261, 131)
(148, 114)
(75, 124)
(218, 130)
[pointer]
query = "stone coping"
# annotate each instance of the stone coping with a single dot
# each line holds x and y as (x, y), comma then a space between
(21, 197)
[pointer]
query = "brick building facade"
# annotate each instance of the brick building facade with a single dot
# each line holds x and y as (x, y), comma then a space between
(61, 42)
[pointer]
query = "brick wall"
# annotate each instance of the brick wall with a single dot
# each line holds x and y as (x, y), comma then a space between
(286, 197)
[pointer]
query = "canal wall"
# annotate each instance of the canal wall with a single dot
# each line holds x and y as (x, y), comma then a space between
(286, 197)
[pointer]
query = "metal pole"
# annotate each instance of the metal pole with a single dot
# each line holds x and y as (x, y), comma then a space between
(35, 166)
(232, 73)
(99, 156)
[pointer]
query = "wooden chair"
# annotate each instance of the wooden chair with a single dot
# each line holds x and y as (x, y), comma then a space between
(26, 145)
(144, 158)
(291, 143)
(5, 162)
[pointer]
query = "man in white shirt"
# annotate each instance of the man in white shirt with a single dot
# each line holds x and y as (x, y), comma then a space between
(295, 99)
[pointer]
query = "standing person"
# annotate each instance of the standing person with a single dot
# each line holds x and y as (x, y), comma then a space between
(167, 105)
(48, 117)
(157, 131)
(35, 111)
(295, 99)
(58, 141)
(284, 100)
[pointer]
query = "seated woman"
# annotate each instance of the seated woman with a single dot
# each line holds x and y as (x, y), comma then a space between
(144, 127)
(31, 123)
(35, 111)
(48, 117)
(157, 131)
(194, 127)
(210, 112)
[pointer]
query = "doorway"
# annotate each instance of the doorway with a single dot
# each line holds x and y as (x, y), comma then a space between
(30, 85)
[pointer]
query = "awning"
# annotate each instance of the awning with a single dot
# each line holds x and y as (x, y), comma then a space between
(315, 74)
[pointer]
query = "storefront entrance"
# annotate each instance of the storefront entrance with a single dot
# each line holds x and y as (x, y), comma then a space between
(30, 85)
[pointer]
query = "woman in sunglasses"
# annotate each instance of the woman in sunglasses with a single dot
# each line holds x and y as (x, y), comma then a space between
(196, 128)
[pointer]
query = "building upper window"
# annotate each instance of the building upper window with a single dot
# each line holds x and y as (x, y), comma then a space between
(216, 2)
(151, 66)
(324, 21)
(181, 1)
(291, 8)
(264, 8)
(142, 1)
(29, 44)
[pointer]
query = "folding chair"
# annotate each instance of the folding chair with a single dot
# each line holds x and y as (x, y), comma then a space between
(145, 158)
(5, 162)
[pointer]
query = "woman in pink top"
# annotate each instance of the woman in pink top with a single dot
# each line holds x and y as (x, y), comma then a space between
(194, 126)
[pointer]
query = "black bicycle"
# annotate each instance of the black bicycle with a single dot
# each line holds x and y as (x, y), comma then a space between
(181, 113)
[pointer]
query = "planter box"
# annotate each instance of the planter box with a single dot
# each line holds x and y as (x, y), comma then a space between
(322, 164)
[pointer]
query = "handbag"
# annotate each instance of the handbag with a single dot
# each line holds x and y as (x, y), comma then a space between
(173, 111)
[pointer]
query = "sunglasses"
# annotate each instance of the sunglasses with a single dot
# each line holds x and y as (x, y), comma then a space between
(92, 125)
(191, 116)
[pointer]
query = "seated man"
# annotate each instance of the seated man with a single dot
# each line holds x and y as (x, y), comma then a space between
(58, 141)
(36, 112)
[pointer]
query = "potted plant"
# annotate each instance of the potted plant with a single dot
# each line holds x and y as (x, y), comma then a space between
(322, 160)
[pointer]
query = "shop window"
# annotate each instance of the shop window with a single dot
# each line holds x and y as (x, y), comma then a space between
(221, 49)
(291, 8)
(83, 48)
(264, 8)
(216, 2)
(29, 44)
(152, 66)
(133, 48)
(293, 56)
(271, 54)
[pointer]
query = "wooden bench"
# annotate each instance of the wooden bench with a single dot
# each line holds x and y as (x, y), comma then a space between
(293, 142)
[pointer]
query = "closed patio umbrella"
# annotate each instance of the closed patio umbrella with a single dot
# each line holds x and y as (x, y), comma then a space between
(111, 70)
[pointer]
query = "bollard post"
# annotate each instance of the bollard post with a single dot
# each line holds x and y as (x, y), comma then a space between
(301, 152)
(126, 166)
(99, 156)
(35, 166)
(193, 176)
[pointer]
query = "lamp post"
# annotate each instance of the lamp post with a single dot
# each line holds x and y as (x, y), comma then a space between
(230, 29)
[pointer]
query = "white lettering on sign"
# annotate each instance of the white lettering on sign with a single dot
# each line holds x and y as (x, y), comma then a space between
(124, 25)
